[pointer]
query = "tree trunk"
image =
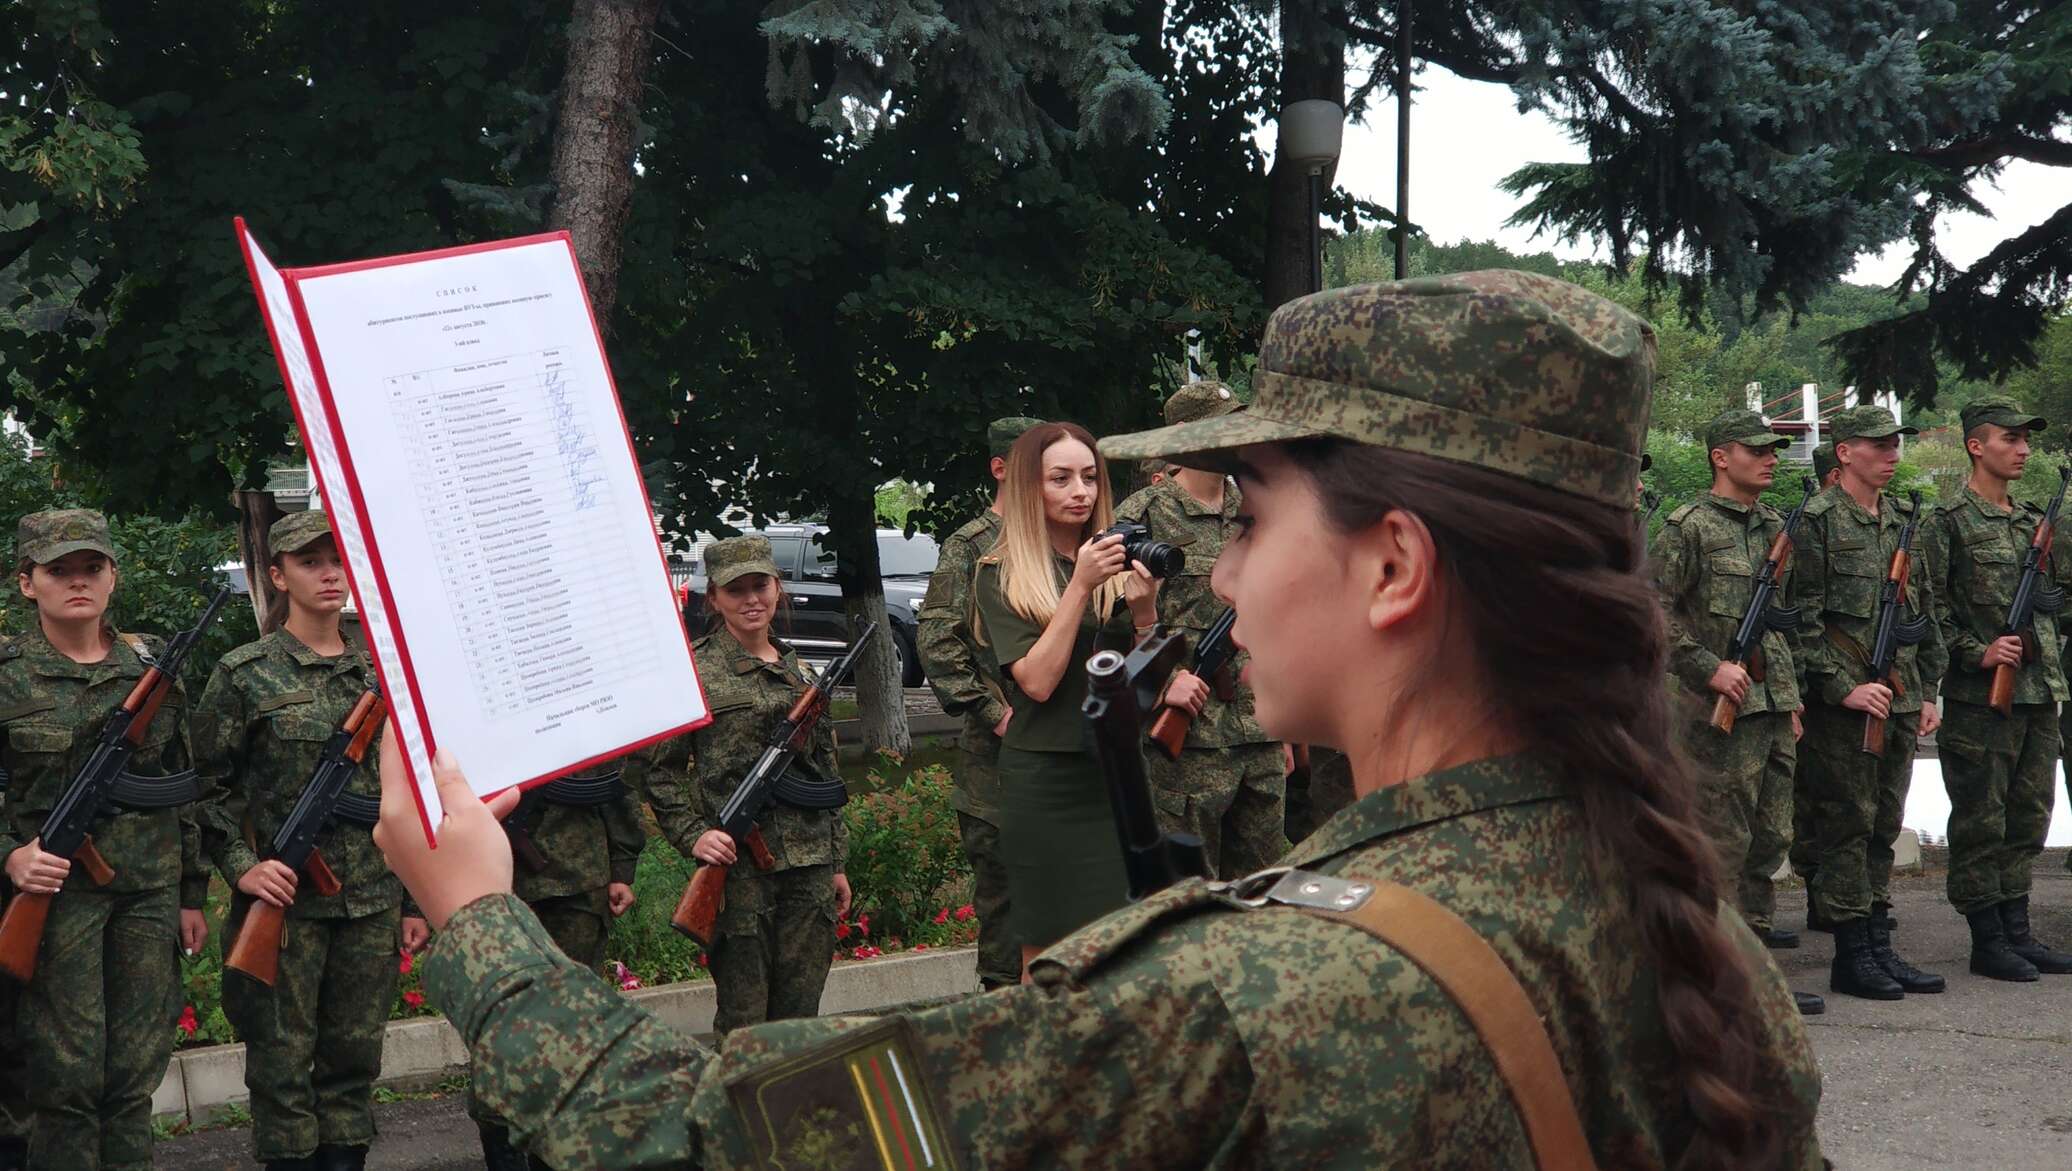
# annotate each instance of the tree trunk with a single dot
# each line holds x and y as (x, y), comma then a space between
(880, 697)
(592, 170)
(1312, 66)
(256, 512)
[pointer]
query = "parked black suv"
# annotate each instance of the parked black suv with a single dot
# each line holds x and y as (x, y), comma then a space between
(815, 623)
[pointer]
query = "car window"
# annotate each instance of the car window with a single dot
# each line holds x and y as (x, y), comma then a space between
(900, 556)
(820, 561)
(786, 551)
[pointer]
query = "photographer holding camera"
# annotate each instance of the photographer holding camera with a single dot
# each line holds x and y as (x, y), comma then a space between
(1229, 785)
(1053, 585)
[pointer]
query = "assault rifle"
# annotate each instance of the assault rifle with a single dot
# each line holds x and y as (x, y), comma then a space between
(2032, 596)
(1211, 655)
(1746, 648)
(257, 950)
(772, 779)
(66, 831)
(1119, 689)
(1893, 632)
(585, 791)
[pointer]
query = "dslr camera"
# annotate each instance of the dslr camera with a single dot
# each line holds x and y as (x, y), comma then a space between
(1162, 559)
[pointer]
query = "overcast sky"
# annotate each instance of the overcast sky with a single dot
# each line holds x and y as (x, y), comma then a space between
(1465, 136)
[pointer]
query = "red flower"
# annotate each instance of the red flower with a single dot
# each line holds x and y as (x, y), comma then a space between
(943, 916)
(414, 998)
(406, 964)
(965, 912)
(841, 931)
(920, 947)
(701, 959)
(863, 924)
(187, 1024)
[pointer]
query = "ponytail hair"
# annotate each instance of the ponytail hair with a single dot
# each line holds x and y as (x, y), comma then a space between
(1587, 690)
(276, 615)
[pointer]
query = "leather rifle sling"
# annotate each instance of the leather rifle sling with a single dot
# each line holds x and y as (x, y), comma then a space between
(1462, 963)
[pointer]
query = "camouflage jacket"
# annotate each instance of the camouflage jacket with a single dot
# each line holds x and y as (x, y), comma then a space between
(587, 847)
(1706, 558)
(959, 670)
(1183, 1031)
(1187, 604)
(258, 732)
(748, 698)
(51, 708)
(1975, 555)
(1838, 570)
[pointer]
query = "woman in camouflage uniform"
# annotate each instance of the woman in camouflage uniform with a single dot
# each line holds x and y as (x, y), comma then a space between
(96, 1021)
(1438, 572)
(313, 1039)
(776, 932)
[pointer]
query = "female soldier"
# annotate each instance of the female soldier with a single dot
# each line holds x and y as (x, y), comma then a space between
(1439, 573)
(1045, 593)
(776, 932)
(96, 1021)
(312, 1040)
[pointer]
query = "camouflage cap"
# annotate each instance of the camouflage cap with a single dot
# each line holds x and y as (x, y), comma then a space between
(1823, 461)
(43, 537)
(1511, 371)
(1001, 433)
(297, 531)
(1205, 399)
(1747, 428)
(734, 557)
(2000, 411)
(1865, 423)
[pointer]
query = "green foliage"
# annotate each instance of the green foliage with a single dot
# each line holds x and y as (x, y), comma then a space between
(642, 938)
(906, 859)
(896, 500)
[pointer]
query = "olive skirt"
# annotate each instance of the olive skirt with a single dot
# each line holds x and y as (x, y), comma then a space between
(1058, 843)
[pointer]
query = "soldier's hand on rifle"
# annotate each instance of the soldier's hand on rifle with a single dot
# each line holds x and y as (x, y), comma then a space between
(1931, 719)
(2005, 651)
(1731, 680)
(35, 872)
(842, 895)
(270, 881)
(474, 857)
(714, 846)
(619, 897)
(1873, 698)
(415, 933)
(1186, 691)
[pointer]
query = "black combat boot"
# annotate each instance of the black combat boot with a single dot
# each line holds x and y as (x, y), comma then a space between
(2014, 915)
(1856, 972)
(1810, 1003)
(1990, 955)
(14, 1153)
(1906, 975)
(338, 1157)
(497, 1152)
(1778, 939)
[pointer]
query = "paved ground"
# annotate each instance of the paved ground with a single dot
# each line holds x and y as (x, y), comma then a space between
(1980, 1076)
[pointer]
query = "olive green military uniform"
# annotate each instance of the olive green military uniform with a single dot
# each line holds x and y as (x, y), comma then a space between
(1706, 559)
(96, 1021)
(775, 937)
(1805, 782)
(1999, 771)
(1181, 1032)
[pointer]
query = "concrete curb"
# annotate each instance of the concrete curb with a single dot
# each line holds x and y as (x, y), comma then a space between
(198, 1083)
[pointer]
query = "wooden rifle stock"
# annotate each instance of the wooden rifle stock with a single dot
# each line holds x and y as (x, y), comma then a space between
(2000, 697)
(697, 912)
(1169, 731)
(256, 952)
(21, 927)
(1724, 711)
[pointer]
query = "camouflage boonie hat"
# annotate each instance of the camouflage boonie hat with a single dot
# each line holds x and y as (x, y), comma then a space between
(1511, 371)
(43, 537)
(1001, 433)
(297, 531)
(1865, 423)
(2000, 412)
(1200, 400)
(1747, 428)
(1823, 461)
(737, 556)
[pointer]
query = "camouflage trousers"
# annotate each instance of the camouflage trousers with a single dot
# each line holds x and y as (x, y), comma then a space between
(96, 1026)
(1744, 788)
(1805, 828)
(1317, 798)
(1999, 774)
(579, 924)
(14, 1073)
(776, 940)
(1233, 799)
(313, 1040)
(1856, 807)
(999, 955)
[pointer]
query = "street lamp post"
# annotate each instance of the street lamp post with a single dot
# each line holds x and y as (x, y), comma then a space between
(1312, 133)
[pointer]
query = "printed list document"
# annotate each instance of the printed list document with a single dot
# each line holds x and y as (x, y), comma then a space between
(461, 420)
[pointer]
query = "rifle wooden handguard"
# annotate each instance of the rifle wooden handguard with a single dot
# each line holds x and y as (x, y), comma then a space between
(256, 951)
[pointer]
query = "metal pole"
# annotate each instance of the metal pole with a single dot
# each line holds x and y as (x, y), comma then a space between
(1316, 235)
(1405, 14)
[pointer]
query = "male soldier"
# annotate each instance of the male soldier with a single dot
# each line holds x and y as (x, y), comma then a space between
(1998, 770)
(966, 687)
(1706, 561)
(1846, 546)
(1804, 834)
(1229, 786)
(1826, 472)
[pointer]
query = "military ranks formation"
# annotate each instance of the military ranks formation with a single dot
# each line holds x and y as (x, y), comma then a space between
(1892, 620)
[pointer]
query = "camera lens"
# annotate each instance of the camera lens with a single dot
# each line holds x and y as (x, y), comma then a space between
(1161, 559)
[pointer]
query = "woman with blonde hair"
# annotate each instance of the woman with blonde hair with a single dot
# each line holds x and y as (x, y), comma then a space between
(1046, 594)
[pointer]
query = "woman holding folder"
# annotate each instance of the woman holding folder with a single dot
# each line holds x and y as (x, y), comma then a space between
(313, 1036)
